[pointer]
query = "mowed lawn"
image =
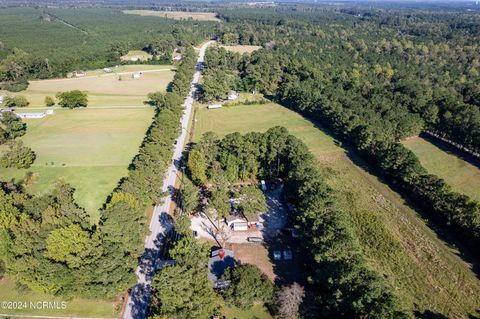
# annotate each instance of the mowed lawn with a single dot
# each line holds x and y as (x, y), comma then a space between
(73, 308)
(88, 148)
(177, 15)
(422, 269)
(104, 89)
(461, 175)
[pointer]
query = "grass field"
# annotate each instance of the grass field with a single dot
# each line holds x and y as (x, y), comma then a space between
(256, 312)
(242, 49)
(136, 55)
(462, 176)
(177, 15)
(422, 269)
(88, 148)
(104, 89)
(75, 307)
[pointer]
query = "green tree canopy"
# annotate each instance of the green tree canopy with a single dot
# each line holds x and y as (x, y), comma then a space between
(72, 99)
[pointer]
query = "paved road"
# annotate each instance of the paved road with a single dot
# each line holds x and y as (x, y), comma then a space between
(160, 224)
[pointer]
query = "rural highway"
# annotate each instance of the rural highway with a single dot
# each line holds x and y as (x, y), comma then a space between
(161, 224)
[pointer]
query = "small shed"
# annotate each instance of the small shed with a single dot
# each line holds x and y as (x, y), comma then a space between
(107, 70)
(214, 106)
(237, 223)
(1, 99)
(49, 112)
(137, 75)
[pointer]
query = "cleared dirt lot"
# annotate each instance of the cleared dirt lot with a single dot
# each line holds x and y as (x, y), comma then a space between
(242, 49)
(177, 15)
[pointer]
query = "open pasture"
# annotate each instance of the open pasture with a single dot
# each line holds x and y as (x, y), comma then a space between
(177, 15)
(396, 240)
(464, 177)
(104, 89)
(242, 49)
(88, 148)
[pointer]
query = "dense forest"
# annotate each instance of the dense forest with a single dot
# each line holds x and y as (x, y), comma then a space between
(374, 82)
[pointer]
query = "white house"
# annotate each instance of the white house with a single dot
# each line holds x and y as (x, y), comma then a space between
(214, 106)
(33, 115)
(137, 75)
(232, 95)
(238, 224)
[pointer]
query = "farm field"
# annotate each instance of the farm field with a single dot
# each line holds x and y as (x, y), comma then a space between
(461, 175)
(74, 307)
(88, 148)
(242, 49)
(104, 89)
(177, 15)
(397, 242)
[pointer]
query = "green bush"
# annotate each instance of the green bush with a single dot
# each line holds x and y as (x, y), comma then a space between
(16, 101)
(49, 101)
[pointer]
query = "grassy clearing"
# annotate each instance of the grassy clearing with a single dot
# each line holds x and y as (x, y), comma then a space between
(462, 176)
(242, 49)
(397, 242)
(136, 55)
(75, 307)
(104, 89)
(177, 15)
(88, 148)
(256, 312)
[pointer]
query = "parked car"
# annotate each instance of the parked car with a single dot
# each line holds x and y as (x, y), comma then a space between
(277, 255)
(287, 254)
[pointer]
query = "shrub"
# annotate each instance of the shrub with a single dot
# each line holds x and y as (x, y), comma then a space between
(49, 101)
(16, 101)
